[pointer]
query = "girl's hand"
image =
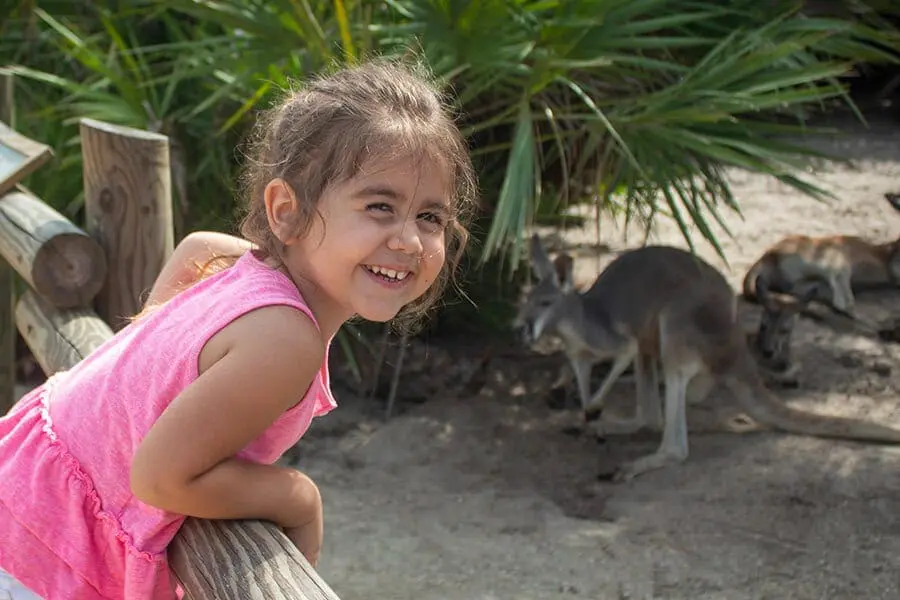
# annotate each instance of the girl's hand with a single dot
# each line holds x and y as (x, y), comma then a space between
(308, 536)
(308, 540)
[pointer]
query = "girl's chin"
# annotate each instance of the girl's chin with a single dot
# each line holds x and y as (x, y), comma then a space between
(378, 314)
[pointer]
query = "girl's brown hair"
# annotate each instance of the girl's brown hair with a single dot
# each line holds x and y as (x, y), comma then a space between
(322, 133)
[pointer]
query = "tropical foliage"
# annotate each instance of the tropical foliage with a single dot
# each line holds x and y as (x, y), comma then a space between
(632, 106)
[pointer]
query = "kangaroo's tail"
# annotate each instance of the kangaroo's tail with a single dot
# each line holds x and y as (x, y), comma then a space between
(755, 398)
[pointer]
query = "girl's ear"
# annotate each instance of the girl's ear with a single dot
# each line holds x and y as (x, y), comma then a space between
(281, 210)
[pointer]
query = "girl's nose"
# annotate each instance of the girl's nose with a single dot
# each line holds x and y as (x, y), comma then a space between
(407, 240)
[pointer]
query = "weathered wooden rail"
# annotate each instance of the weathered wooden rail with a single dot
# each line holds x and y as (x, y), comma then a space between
(82, 284)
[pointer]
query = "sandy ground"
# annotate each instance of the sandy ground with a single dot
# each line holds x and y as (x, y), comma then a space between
(490, 496)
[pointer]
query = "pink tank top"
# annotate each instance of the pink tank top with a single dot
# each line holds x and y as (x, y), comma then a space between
(69, 525)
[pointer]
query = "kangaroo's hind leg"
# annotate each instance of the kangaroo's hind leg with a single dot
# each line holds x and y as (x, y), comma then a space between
(673, 447)
(700, 387)
(649, 406)
(682, 360)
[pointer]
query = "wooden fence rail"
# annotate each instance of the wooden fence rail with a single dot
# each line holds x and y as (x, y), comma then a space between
(68, 271)
(57, 259)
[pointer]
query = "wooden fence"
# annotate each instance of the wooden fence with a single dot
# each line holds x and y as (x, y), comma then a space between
(81, 282)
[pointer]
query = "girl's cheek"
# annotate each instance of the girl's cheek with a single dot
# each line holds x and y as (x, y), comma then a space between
(436, 254)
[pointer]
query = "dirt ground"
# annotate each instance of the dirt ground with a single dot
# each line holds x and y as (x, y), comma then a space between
(491, 496)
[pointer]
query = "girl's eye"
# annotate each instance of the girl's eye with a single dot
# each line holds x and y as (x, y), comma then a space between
(379, 206)
(433, 218)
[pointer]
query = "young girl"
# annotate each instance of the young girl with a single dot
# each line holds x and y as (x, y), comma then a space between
(356, 191)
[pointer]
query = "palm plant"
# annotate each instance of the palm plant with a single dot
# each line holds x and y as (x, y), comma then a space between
(633, 106)
(637, 106)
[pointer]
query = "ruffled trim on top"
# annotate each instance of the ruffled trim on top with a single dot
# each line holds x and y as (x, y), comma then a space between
(84, 480)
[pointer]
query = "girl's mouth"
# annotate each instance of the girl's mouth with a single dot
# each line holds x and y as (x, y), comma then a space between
(387, 276)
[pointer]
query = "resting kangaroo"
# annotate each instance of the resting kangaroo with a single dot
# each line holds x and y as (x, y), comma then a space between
(771, 342)
(661, 303)
(846, 263)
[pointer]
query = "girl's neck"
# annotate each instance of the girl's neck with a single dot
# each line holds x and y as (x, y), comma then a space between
(329, 314)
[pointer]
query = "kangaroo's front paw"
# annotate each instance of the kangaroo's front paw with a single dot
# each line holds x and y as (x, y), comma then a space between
(593, 414)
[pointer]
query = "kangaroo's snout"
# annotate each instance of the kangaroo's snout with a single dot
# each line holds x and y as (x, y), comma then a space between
(525, 333)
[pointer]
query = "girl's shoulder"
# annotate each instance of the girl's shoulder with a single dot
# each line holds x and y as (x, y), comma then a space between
(274, 336)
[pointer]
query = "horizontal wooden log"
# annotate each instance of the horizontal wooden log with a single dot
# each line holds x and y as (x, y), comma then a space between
(58, 338)
(250, 560)
(214, 560)
(57, 259)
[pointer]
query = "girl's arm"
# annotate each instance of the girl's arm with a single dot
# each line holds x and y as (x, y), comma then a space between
(253, 370)
(193, 251)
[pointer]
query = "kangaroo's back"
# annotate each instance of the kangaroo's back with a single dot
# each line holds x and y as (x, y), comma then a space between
(640, 283)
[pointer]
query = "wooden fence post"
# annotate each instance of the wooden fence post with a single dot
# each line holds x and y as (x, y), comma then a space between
(7, 283)
(128, 209)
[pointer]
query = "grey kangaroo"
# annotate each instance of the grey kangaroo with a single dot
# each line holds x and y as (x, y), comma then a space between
(659, 303)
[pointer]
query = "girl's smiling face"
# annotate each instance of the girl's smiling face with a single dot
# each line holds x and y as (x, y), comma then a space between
(379, 244)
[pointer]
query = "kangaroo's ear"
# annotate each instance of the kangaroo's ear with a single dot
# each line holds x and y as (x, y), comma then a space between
(565, 267)
(819, 291)
(801, 295)
(763, 294)
(893, 199)
(777, 300)
(540, 262)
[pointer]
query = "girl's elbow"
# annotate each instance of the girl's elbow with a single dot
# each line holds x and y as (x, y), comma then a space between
(146, 489)
(153, 487)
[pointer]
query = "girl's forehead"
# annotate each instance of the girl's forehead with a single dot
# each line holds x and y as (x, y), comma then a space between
(406, 168)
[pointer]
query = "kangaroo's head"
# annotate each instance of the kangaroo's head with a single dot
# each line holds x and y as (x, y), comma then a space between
(893, 198)
(772, 341)
(547, 300)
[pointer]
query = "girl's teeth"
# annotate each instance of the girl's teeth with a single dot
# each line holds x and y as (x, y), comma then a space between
(398, 275)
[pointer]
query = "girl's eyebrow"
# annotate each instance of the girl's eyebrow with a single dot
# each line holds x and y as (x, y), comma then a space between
(379, 190)
(441, 206)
